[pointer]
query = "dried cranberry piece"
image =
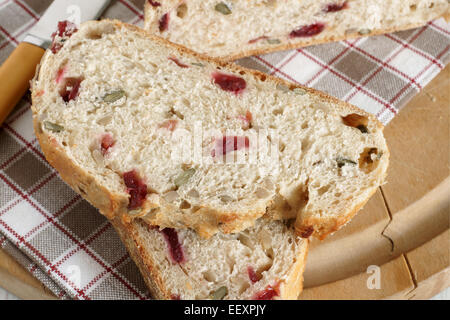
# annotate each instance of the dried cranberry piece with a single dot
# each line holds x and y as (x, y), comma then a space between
(229, 82)
(169, 125)
(334, 7)
(176, 250)
(70, 89)
(254, 277)
(65, 29)
(55, 47)
(227, 144)
(154, 3)
(268, 293)
(175, 297)
(106, 143)
(164, 22)
(178, 63)
(257, 39)
(307, 31)
(60, 74)
(136, 188)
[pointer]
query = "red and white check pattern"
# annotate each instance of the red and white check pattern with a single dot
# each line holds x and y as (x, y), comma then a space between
(72, 249)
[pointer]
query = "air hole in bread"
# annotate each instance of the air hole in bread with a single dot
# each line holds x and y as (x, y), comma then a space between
(97, 33)
(269, 253)
(305, 145)
(355, 120)
(267, 266)
(304, 125)
(182, 10)
(300, 198)
(369, 159)
(185, 205)
(413, 7)
(431, 5)
(94, 36)
(81, 190)
(173, 112)
(277, 112)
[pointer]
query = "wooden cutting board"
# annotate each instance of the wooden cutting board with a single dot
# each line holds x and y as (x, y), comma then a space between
(397, 247)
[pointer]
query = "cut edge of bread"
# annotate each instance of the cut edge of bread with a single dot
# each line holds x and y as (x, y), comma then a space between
(113, 204)
(289, 288)
(299, 43)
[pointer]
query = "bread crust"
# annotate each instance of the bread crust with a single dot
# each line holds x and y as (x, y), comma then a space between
(114, 205)
(325, 226)
(300, 43)
(289, 288)
(148, 268)
(78, 179)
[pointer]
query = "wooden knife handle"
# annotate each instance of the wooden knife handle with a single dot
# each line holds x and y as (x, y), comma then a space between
(15, 75)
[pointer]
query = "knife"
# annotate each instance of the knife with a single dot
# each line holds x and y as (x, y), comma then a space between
(17, 71)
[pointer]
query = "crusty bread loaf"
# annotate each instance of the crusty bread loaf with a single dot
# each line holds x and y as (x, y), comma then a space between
(232, 29)
(118, 113)
(263, 262)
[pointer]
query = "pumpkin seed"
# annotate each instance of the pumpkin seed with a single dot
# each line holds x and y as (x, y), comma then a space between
(273, 41)
(53, 126)
(299, 91)
(184, 177)
(363, 128)
(114, 96)
(364, 31)
(198, 64)
(220, 293)
(343, 161)
(222, 8)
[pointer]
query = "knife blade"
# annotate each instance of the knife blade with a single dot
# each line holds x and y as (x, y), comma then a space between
(17, 71)
(75, 11)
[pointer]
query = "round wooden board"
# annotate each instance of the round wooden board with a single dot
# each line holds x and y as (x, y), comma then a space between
(397, 246)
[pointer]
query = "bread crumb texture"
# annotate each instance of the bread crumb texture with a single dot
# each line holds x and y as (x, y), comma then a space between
(236, 28)
(143, 128)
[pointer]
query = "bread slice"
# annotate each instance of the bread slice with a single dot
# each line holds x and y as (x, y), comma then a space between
(144, 128)
(231, 29)
(263, 262)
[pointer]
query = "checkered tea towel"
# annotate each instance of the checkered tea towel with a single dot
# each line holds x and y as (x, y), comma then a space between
(71, 248)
